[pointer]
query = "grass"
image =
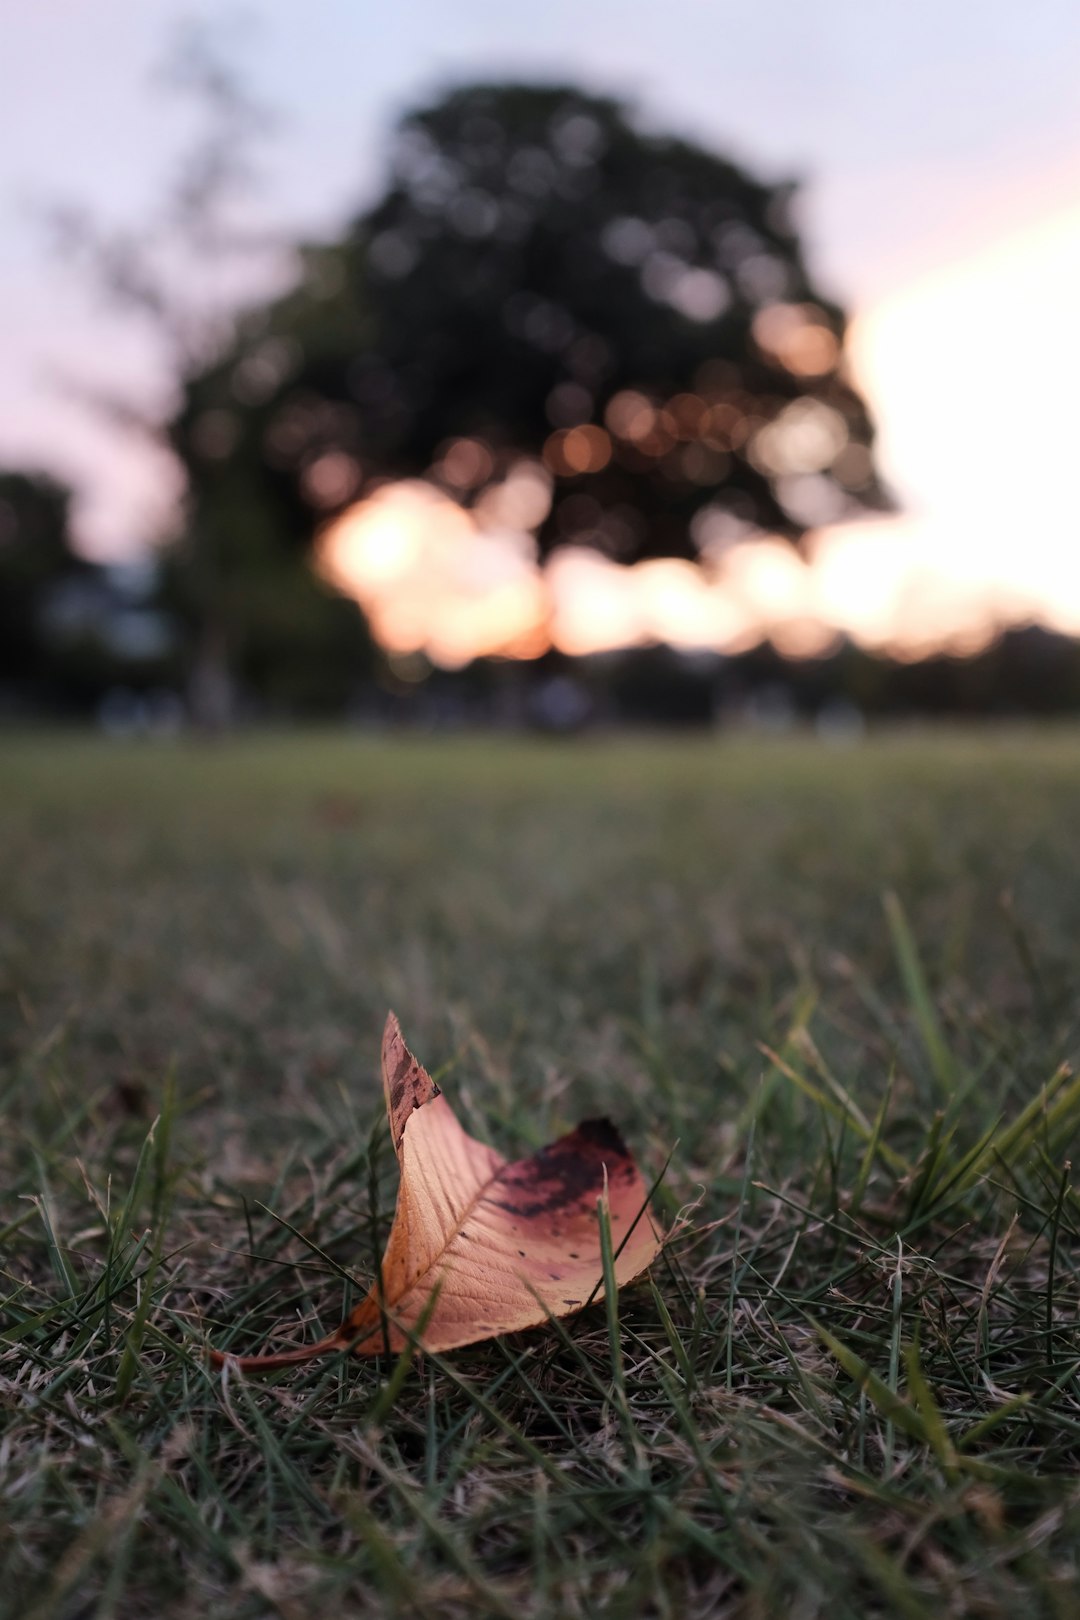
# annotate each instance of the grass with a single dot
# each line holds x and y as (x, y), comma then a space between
(842, 982)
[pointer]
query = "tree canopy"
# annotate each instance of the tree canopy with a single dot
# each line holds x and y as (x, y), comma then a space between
(543, 279)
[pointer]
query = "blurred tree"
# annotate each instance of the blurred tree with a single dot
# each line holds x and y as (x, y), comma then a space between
(542, 279)
(35, 556)
(260, 629)
(70, 630)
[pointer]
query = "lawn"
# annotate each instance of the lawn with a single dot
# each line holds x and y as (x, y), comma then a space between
(837, 986)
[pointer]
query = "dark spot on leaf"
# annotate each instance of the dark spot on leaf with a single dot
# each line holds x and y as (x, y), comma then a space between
(601, 1133)
(568, 1173)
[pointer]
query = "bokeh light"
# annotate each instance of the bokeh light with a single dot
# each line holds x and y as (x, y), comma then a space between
(432, 580)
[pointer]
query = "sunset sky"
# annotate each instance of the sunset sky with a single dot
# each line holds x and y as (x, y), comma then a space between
(941, 152)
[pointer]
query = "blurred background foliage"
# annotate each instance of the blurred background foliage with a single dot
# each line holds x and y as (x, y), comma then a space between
(541, 279)
(541, 283)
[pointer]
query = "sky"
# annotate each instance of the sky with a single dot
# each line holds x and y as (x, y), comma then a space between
(939, 148)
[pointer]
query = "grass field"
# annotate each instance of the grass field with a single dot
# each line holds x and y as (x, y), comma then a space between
(852, 1387)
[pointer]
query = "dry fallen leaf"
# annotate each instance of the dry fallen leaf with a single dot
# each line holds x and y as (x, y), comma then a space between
(507, 1244)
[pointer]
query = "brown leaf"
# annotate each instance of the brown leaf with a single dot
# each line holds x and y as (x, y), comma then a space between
(506, 1244)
